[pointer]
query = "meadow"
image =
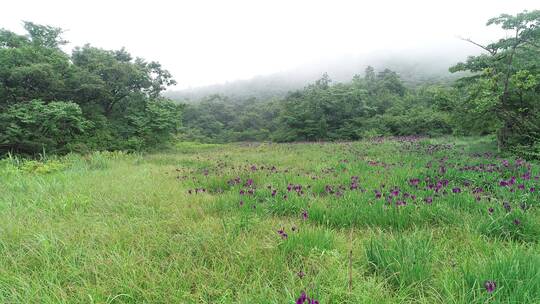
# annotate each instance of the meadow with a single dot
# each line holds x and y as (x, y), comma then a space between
(386, 220)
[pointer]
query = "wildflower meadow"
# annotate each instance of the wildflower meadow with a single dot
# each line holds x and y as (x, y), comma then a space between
(384, 220)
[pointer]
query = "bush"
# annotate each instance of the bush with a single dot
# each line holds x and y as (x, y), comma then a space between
(35, 126)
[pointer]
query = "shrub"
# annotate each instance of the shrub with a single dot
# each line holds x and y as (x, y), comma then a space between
(35, 126)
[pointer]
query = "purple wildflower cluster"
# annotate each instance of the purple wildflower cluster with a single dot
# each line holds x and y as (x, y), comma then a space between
(514, 176)
(490, 286)
(304, 299)
(282, 233)
(507, 186)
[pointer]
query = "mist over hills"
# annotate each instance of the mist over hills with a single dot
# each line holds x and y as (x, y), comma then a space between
(416, 67)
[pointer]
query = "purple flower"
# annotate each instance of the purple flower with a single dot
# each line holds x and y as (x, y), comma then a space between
(517, 222)
(274, 193)
(304, 214)
(507, 206)
(531, 189)
(428, 200)
(302, 299)
(456, 190)
(414, 182)
(282, 233)
(491, 210)
(241, 203)
(490, 286)
(301, 274)
(478, 190)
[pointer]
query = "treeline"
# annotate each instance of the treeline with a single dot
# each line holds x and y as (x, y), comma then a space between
(96, 99)
(373, 104)
(500, 94)
(92, 99)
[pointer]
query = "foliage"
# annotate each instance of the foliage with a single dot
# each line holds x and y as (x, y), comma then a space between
(505, 85)
(373, 104)
(93, 99)
(34, 126)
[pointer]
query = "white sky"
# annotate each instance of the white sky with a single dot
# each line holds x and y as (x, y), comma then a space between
(204, 42)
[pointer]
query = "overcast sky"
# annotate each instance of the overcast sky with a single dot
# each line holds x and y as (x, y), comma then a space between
(205, 42)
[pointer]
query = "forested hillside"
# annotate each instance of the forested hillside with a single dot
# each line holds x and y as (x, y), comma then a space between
(415, 68)
(495, 92)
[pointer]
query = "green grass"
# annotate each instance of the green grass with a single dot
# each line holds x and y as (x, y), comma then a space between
(122, 228)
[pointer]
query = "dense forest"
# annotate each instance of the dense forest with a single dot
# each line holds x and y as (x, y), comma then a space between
(96, 99)
(93, 99)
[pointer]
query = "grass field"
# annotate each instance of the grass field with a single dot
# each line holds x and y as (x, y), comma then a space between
(402, 220)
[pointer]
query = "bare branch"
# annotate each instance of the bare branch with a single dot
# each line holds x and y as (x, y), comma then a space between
(492, 52)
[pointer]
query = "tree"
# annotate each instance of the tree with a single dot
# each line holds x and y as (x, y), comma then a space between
(113, 76)
(93, 99)
(505, 81)
(44, 35)
(32, 66)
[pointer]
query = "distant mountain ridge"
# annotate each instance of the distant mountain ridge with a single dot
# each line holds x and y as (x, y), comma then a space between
(414, 67)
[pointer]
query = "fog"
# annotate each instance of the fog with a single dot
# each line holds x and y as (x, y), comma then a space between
(209, 42)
